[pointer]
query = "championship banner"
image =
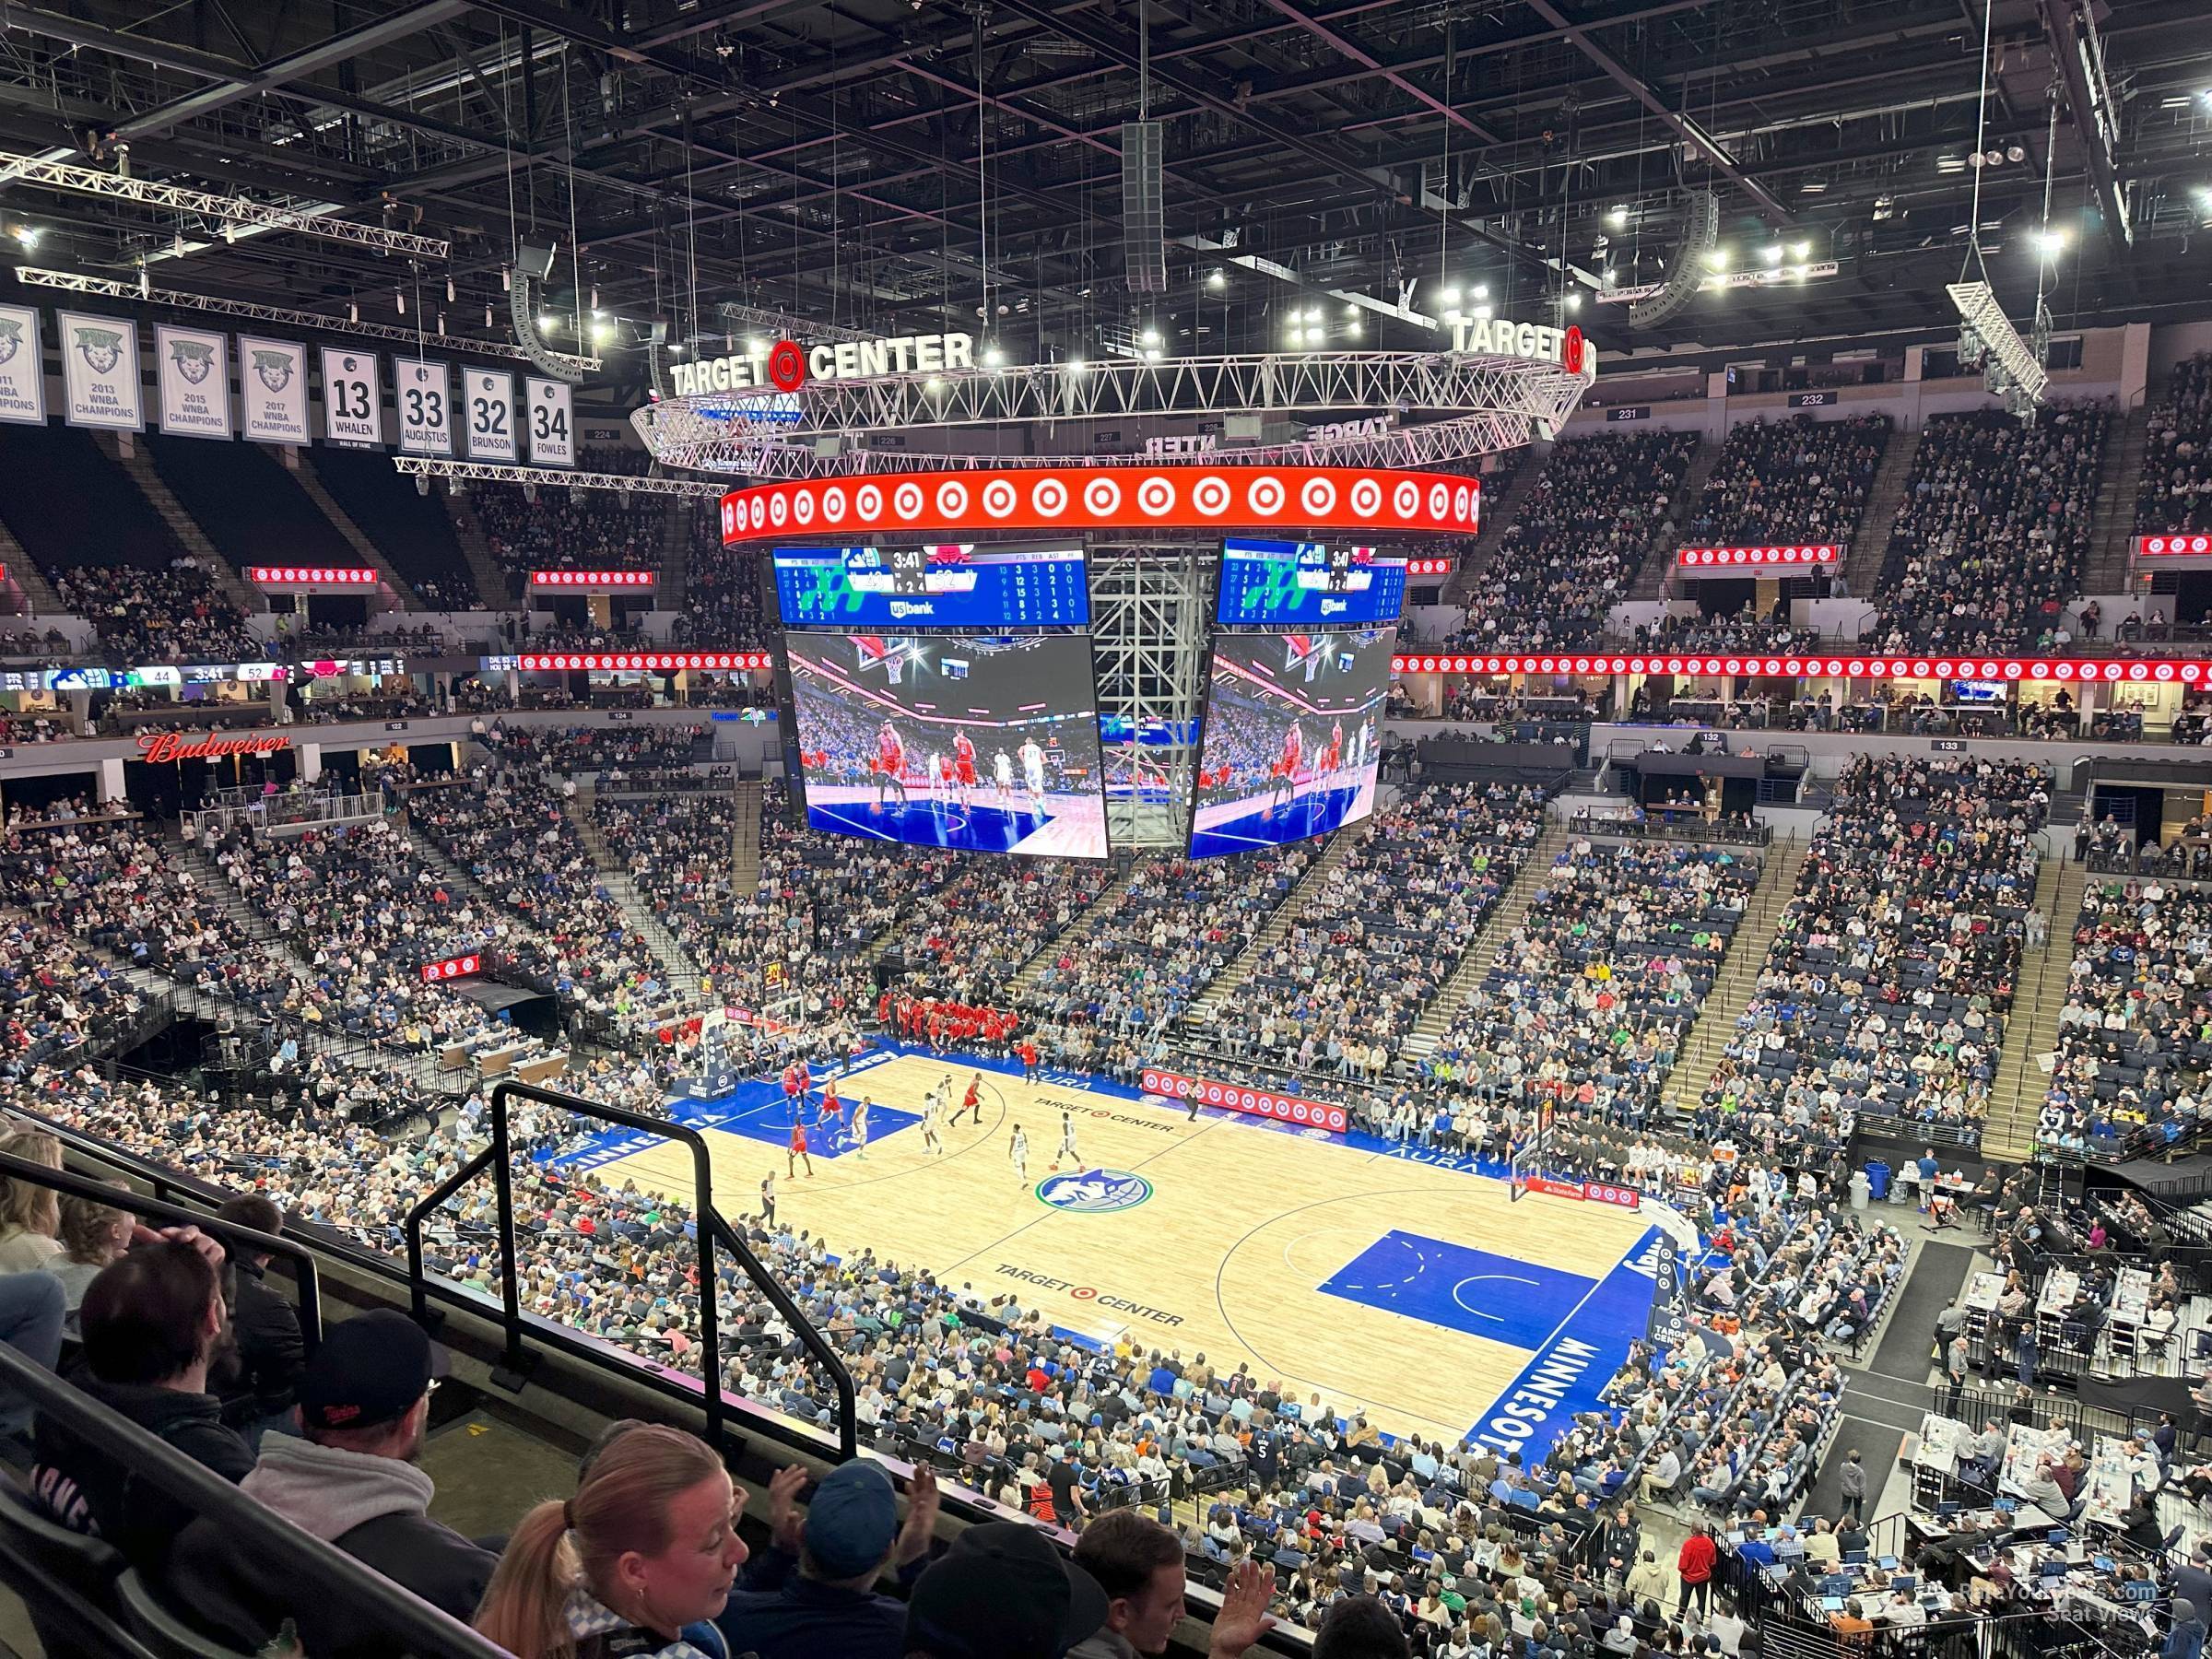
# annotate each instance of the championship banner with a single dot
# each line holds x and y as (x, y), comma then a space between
(22, 381)
(271, 391)
(350, 414)
(552, 422)
(1259, 1102)
(191, 366)
(424, 391)
(490, 414)
(99, 369)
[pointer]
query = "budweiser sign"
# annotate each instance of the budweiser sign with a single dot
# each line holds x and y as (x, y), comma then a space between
(161, 747)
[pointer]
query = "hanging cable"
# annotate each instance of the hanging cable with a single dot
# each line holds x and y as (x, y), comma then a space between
(1446, 195)
(567, 116)
(983, 171)
(1973, 230)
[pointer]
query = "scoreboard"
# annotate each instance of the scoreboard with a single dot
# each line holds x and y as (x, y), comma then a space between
(1308, 584)
(941, 585)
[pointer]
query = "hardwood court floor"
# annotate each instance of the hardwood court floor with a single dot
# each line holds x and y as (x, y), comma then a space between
(1227, 1256)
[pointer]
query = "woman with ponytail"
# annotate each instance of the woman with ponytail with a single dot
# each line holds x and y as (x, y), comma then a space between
(631, 1567)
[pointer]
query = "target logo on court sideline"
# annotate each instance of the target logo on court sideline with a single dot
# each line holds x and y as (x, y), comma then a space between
(1094, 1192)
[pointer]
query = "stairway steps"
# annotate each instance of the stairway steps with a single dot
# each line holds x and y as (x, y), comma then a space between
(140, 468)
(1703, 1044)
(342, 522)
(615, 876)
(1498, 517)
(744, 838)
(676, 555)
(1200, 1013)
(492, 583)
(2016, 1098)
(1436, 1017)
(39, 597)
(1082, 928)
(2112, 516)
(1870, 546)
(1659, 557)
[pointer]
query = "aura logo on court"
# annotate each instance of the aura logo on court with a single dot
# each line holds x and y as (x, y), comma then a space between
(1094, 1192)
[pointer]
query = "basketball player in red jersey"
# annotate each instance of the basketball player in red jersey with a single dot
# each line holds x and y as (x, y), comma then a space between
(794, 1088)
(1286, 770)
(1335, 755)
(973, 1102)
(963, 766)
(796, 1154)
(890, 765)
(833, 1108)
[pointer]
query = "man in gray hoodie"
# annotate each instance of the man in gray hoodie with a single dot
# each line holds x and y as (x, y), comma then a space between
(364, 1401)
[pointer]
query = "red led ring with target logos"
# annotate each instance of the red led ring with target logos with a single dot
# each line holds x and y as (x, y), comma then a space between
(1378, 500)
(786, 367)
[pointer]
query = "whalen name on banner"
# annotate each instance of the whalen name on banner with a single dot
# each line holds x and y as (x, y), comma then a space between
(161, 747)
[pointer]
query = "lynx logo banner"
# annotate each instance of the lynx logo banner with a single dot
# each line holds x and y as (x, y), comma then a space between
(100, 370)
(22, 382)
(192, 369)
(272, 387)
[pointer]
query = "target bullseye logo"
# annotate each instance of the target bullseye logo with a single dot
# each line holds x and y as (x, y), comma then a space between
(1050, 498)
(777, 509)
(1406, 501)
(834, 504)
(1461, 503)
(1570, 351)
(1101, 498)
(1318, 497)
(906, 501)
(869, 502)
(1156, 497)
(999, 498)
(1440, 500)
(1267, 495)
(1367, 497)
(786, 366)
(1211, 496)
(952, 499)
(802, 507)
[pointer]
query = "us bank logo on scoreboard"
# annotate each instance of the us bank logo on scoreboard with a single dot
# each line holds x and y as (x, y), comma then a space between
(1094, 1192)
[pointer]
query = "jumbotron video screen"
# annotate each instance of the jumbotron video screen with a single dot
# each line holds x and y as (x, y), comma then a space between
(986, 743)
(1292, 737)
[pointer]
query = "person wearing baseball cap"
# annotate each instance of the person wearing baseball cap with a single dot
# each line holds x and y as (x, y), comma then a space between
(1002, 1591)
(812, 1591)
(364, 1401)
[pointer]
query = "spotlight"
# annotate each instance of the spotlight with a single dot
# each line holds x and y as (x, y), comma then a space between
(1151, 354)
(400, 300)
(488, 316)
(1075, 364)
(353, 310)
(2016, 152)
(1574, 303)
(545, 321)
(1149, 337)
(1618, 218)
(1449, 296)
(506, 279)
(1352, 328)
(2051, 242)
(1801, 250)
(1482, 290)
(449, 290)
(1217, 280)
(993, 356)
(1717, 259)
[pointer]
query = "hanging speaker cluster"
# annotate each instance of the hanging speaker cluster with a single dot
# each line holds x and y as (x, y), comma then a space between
(1144, 208)
(533, 264)
(1701, 230)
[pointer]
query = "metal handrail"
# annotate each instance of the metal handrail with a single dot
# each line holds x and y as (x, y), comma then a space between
(296, 1558)
(233, 1237)
(709, 1224)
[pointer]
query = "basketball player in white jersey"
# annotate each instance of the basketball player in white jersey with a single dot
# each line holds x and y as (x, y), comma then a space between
(1017, 1149)
(930, 1142)
(1032, 773)
(937, 778)
(1002, 768)
(1068, 1141)
(860, 1128)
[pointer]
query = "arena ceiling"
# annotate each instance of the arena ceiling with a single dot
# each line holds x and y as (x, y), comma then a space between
(899, 166)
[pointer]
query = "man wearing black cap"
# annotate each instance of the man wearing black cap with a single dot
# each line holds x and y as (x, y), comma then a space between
(812, 1591)
(1003, 1592)
(364, 1401)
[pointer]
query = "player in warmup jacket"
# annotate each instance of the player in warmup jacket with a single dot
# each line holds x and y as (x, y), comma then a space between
(890, 764)
(1334, 760)
(1028, 1050)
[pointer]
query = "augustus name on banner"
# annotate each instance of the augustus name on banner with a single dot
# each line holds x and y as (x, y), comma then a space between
(193, 368)
(22, 381)
(99, 371)
(272, 383)
(423, 390)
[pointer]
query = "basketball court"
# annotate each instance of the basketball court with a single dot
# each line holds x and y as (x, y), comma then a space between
(1385, 1281)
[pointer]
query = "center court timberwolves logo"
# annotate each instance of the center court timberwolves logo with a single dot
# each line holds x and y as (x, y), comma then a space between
(1094, 1192)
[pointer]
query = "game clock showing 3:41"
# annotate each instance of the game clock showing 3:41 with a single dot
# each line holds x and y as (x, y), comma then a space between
(910, 572)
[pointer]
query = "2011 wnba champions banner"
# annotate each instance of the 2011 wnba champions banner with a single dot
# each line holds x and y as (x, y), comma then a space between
(22, 381)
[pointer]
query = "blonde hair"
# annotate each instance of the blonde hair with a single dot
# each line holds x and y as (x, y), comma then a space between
(24, 1207)
(88, 1228)
(621, 1504)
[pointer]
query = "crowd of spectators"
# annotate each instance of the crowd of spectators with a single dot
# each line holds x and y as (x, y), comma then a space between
(1578, 541)
(1789, 482)
(1365, 953)
(1987, 546)
(721, 588)
(567, 529)
(2176, 489)
(170, 615)
(567, 750)
(2130, 1050)
(1586, 1002)
(1893, 968)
